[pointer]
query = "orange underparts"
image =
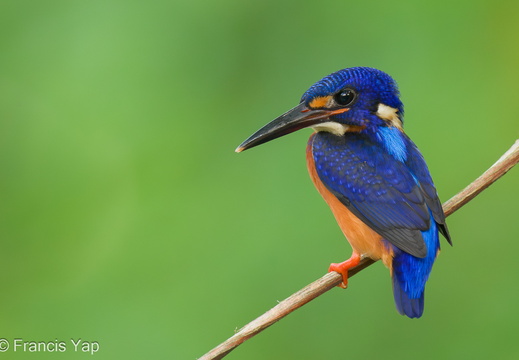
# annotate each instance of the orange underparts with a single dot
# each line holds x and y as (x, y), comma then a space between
(363, 240)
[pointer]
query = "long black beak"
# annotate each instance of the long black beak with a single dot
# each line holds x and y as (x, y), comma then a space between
(295, 119)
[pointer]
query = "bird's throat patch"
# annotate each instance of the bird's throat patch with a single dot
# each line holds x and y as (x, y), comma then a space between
(337, 128)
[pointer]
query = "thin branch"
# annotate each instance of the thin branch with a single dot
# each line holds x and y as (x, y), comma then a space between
(332, 279)
(501, 167)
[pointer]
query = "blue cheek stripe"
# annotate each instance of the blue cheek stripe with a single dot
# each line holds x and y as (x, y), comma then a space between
(393, 141)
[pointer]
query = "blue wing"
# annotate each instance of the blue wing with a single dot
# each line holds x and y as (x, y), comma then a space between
(418, 167)
(386, 193)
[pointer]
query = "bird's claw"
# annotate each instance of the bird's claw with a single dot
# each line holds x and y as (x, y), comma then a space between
(343, 267)
(344, 272)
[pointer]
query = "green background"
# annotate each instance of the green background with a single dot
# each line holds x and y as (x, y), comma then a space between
(127, 219)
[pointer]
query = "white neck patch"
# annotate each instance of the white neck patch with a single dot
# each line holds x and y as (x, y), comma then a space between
(390, 115)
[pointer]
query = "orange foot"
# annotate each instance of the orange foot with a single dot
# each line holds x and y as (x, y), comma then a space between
(343, 268)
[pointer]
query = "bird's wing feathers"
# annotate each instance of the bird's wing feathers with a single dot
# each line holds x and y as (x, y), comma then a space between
(380, 190)
(416, 164)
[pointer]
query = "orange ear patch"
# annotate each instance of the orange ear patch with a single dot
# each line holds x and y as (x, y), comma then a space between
(319, 102)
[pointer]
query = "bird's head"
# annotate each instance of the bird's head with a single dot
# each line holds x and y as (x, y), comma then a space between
(353, 99)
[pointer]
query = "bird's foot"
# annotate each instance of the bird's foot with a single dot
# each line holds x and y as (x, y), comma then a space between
(343, 267)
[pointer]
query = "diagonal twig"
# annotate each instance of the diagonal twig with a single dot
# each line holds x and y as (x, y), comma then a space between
(332, 279)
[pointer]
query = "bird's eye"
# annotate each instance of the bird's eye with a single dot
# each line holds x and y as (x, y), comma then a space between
(345, 97)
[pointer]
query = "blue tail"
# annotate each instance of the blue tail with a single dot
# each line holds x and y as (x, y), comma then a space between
(411, 273)
(411, 307)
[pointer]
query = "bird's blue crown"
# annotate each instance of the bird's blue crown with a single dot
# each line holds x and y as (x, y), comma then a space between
(372, 86)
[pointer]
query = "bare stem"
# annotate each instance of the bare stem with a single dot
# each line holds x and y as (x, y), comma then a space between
(332, 279)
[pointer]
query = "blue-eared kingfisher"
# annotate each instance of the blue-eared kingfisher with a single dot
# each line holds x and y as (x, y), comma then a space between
(372, 176)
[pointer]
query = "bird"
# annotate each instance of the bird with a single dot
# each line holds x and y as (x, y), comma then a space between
(372, 176)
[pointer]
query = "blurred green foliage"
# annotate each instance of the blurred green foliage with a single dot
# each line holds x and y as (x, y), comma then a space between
(126, 217)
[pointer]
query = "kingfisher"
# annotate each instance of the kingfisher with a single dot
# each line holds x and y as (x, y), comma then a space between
(372, 176)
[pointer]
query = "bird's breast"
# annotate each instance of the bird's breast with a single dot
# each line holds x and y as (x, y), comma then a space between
(361, 237)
